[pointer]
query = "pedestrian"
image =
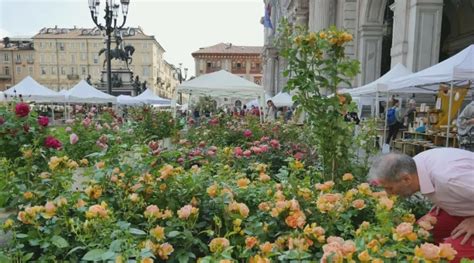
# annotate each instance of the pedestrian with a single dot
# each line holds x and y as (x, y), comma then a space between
(394, 121)
(271, 111)
(410, 114)
(465, 124)
(446, 177)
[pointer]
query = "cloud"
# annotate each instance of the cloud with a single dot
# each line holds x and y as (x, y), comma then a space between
(4, 33)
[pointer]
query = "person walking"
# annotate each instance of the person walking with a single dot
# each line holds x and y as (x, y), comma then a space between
(446, 177)
(394, 121)
(271, 111)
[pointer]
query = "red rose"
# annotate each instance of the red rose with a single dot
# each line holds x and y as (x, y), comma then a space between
(22, 109)
(51, 142)
(43, 121)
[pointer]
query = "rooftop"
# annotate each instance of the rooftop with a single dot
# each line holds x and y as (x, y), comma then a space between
(64, 33)
(16, 44)
(228, 48)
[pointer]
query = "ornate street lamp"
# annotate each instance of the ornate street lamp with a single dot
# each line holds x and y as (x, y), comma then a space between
(111, 16)
(180, 78)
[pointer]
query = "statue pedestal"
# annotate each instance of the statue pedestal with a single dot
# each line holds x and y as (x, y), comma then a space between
(122, 82)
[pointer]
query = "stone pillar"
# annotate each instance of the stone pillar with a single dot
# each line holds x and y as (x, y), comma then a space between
(370, 52)
(268, 80)
(300, 12)
(417, 33)
(322, 14)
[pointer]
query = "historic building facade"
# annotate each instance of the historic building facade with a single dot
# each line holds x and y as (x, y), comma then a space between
(416, 33)
(63, 56)
(17, 59)
(244, 61)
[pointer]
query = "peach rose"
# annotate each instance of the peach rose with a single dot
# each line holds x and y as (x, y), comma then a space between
(447, 251)
(358, 204)
(218, 244)
(430, 251)
(296, 219)
(347, 177)
(243, 183)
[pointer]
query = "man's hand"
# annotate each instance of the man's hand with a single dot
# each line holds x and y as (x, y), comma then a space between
(470, 121)
(466, 228)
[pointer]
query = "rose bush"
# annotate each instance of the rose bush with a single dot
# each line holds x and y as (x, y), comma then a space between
(212, 203)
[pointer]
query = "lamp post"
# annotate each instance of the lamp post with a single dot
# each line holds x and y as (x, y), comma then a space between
(111, 15)
(179, 76)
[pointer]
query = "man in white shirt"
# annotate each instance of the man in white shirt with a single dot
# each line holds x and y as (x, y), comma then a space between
(446, 177)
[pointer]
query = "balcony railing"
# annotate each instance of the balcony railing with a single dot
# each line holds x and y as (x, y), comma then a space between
(72, 76)
(5, 76)
(30, 61)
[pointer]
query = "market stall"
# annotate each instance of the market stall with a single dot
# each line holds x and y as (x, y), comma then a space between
(220, 84)
(452, 81)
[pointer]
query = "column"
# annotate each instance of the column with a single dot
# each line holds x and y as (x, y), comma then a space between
(370, 53)
(321, 14)
(417, 39)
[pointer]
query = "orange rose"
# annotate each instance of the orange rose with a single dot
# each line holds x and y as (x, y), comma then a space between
(250, 242)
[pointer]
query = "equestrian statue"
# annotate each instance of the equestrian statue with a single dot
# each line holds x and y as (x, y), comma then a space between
(123, 54)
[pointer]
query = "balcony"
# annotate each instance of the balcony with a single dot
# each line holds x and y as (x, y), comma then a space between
(72, 76)
(30, 61)
(5, 76)
(17, 61)
(212, 69)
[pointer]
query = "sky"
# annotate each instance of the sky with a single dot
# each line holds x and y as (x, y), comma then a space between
(180, 26)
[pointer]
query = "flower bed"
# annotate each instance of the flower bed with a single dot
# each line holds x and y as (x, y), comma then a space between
(230, 191)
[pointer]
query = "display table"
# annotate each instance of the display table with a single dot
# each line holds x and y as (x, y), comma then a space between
(413, 143)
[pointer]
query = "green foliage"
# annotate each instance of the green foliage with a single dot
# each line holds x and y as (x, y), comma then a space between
(317, 66)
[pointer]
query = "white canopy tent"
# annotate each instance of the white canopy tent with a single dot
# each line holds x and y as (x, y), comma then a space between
(148, 97)
(82, 92)
(256, 102)
(282, 99)
(374, 88)
(458, 68)
(29, 89)
(127, 100)
(379, 85)
(221, 84)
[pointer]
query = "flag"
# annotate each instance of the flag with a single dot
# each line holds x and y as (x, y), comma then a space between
(267, 22)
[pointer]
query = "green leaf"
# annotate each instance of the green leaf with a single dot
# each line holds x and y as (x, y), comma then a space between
(108, 255)
(21, 235)
(74, 250)
(59, 242)
(137, 231)
(27, 257)
(174, 234)
(115, 245)
(94, 255)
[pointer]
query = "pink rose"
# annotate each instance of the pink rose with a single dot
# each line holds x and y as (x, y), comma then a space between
(86, 122)
(247, 153)
(73, 138)
(264, 148)
(247, 133)
(43, 121)
(68, 129)
(238, 151)
(275, 144)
